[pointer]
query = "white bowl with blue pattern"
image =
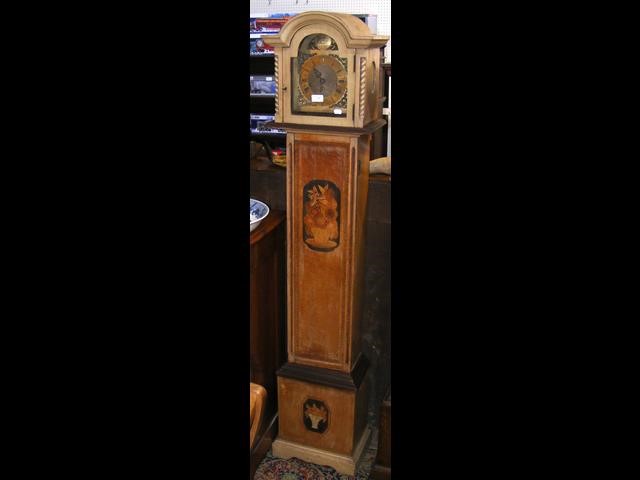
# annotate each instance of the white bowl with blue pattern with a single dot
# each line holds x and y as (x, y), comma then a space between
(258, 211)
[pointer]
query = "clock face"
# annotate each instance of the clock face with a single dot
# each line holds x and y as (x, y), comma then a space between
(323, 80)
(320, 77)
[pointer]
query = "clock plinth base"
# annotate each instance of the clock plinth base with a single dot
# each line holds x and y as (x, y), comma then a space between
(323, 415)
(345, 464)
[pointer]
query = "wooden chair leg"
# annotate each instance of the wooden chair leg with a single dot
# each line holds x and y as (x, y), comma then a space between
(257, 405)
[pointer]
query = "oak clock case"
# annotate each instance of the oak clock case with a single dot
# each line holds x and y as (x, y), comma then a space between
(329, 104)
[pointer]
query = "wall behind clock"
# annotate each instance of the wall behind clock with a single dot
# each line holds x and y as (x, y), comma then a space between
(381, 8)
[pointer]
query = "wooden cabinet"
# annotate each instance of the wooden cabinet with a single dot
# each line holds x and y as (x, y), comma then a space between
(382, 468)
(267, 327)
(267, 300)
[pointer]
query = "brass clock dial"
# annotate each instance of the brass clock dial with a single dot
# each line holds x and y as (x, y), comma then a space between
(323, 80)
(319, 78)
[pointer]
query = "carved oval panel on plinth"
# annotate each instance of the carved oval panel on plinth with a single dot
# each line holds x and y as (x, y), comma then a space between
(315, 415)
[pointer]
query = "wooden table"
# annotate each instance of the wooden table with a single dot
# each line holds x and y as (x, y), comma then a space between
(267, 321)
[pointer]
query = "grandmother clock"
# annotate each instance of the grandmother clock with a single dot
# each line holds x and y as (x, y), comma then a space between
(328, 101)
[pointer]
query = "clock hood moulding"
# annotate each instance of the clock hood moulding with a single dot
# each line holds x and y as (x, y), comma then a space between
(354, 31)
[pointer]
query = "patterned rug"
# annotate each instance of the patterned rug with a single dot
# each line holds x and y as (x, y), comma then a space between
(272, 468)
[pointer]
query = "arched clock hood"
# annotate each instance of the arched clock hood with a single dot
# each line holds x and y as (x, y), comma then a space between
(355, 32)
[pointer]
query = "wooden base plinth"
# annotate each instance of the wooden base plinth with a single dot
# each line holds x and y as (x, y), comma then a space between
(321, 409)
(345, 464)
(323, 415)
